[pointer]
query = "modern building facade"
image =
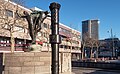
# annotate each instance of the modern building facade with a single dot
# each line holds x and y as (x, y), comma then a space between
(90, 36)
(109, 47)
(71, 41)
(90, 29)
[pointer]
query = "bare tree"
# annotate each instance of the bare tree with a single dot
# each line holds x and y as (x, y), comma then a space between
(84, 43)
(9, 20)
(98, 45)
(88, 42)
(91, 44)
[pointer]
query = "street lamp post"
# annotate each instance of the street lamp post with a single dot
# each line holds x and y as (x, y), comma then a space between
(113, 49)
(112, 43)
(55, 37)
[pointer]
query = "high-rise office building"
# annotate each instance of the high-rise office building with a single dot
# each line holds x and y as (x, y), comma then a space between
(90, 29)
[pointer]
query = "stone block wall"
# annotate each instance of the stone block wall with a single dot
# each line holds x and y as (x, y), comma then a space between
(27, 63)
(65, 62)
(34, 63)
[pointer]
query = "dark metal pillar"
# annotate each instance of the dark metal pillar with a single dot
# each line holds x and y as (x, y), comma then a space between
(55, 37)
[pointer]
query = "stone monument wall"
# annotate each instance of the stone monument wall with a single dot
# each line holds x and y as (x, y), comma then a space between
(34, 63)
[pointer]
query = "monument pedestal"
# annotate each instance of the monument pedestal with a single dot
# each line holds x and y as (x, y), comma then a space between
(34, 63)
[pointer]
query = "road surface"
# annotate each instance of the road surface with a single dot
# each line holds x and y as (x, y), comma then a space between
(80, 70)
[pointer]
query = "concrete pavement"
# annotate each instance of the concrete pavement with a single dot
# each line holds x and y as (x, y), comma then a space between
(80, 70)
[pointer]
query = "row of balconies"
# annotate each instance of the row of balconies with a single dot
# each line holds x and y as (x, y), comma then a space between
(47, 48)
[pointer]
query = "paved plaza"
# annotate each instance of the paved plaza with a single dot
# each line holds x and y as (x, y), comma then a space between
(79, 70)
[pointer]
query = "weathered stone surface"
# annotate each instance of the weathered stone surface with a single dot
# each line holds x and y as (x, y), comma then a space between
(47, 63)
(36, 59)
(42, 69)
(28, 70)
(43, 54)
(39, 63)
(9, 54)
(35, 63)
(45, 59)
(12, 59)
(5, 72)
(28, 54)
(13, 64)
(6, 68)
(25, 59)
(29, 64)
(20, 54)
(14, 70)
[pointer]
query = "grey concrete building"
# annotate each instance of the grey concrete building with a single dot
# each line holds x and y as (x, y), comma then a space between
(109, 47)
(90, 36)
(90, 29)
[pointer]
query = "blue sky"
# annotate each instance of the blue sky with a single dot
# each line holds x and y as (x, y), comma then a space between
(73, 12)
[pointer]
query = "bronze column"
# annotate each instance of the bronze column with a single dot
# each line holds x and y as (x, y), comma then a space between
(55, 37)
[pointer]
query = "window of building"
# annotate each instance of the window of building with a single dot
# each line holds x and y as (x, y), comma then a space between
(7, 41)
(9, 13)
(65, 46)
(61, 46)
(73, 47)
(4, 42)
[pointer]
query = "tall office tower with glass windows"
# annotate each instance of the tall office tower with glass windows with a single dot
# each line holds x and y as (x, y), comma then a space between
(90, 29)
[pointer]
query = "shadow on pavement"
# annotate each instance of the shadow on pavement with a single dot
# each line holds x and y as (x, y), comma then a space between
(93, 71)
(100, 72)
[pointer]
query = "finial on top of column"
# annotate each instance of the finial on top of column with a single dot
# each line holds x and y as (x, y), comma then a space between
(54, 5)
